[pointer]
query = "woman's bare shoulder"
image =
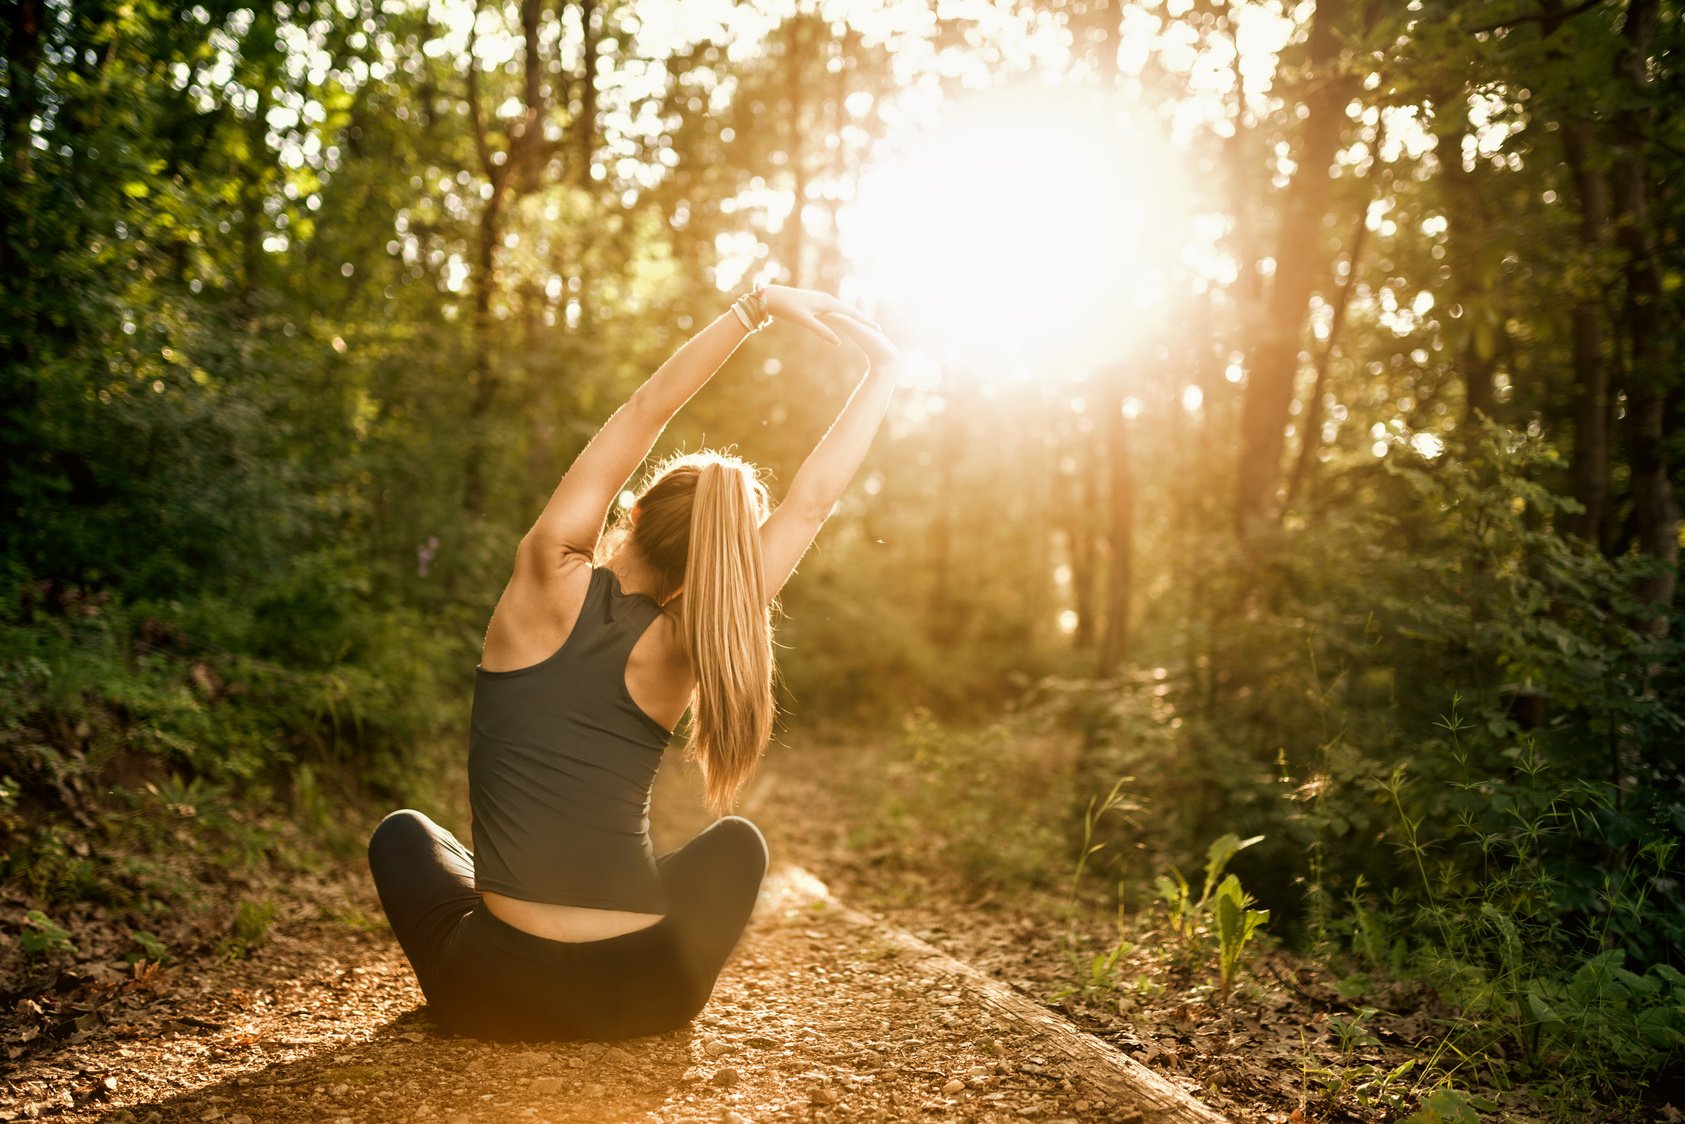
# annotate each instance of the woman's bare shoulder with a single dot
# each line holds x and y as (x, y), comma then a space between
(537, 612)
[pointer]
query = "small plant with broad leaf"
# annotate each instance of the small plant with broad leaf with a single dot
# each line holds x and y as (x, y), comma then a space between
(1101, 969)
(1173, 889)
(1114, 801)
(43, 937)
(248, 929)
(1223, 899)
(1236, 922)
(1446, 1105)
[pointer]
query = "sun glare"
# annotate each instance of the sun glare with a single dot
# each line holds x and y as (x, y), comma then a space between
(1031, 225)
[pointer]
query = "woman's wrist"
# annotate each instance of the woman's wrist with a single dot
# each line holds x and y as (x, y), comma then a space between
(751, 311)
(884, 369)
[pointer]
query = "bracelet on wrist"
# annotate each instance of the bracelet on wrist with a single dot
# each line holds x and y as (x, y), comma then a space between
(750, 308)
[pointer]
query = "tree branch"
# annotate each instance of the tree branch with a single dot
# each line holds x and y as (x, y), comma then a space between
(1556, 18)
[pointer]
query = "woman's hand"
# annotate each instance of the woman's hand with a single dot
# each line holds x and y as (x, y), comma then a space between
(880, 349)
(805, 306)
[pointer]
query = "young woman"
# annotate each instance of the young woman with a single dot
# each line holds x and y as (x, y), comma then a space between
(562, 923)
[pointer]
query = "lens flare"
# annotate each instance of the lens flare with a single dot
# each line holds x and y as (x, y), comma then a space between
(1031, 225)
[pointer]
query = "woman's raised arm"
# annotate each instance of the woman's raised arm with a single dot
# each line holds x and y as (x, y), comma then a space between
(573, 518)
(794, 524)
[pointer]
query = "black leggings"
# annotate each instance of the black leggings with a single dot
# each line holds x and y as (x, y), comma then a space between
(486, 978)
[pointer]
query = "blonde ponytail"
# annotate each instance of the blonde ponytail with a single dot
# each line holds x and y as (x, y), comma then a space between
(698, 528)
(728, 630)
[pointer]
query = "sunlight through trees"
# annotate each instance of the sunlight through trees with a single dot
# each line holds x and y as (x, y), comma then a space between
(1321, 355)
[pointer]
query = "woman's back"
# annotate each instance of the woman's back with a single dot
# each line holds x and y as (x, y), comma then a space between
(560, 763)
(562, 756)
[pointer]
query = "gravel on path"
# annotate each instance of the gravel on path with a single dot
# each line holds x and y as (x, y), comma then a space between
(814, 1019)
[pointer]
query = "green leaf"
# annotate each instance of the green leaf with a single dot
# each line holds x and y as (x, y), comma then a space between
(1217, 856)
(1350, 987)
(1445, 1106)
(1542, 1011)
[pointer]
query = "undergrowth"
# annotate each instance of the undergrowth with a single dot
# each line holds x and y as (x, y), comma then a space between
(986, 805)
(152, 757)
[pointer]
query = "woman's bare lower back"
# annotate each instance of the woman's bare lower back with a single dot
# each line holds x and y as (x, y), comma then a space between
(566, 922)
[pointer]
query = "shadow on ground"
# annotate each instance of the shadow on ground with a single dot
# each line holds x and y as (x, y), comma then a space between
(412, 1070)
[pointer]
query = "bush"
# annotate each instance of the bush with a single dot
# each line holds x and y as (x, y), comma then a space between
(1454, 727)
(122, 724)
(985, 804)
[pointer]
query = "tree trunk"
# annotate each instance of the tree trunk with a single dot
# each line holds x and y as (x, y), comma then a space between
(528, 152)
(950, 446)
(524, 159)
(541, 407)
(23, 58)
(1470, 221)
(1084, 551)
(795, 75)
(1120, 537)
(585, 125)
(253, 182)
(1039, 515)
(1590, 471)
(1300, 261)
(1648, 338)
(482, 374)
(1238, 158)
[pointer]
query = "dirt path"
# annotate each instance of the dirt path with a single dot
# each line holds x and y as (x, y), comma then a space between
(816, 1017)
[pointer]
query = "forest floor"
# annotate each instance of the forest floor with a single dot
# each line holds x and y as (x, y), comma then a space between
(814, 1018)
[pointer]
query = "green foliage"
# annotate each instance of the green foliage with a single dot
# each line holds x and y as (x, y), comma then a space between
(1372, 1088)
(983, 807)
(248, 928)
(1236, 922)
(1446, 1106)
(1098, 976)
(1114, 801)
(1632, 1019)
(1351, 1032)
(141, 729)
(1453, 727)
(149, 948)
(1222, 907)
(971, 802)
(43, 937)
(1496, 945)
(360, 921)
(1187, 912)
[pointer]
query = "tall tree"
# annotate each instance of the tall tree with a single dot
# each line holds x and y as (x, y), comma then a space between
(1301, 263)
(1650, 345)
(1591, 367)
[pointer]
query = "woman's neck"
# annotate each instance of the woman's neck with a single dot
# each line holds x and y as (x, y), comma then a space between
(633, 573)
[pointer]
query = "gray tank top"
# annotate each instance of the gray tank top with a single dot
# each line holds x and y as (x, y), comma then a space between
(560, 762)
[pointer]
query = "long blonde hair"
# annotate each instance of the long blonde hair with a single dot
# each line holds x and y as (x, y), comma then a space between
(698, 527)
